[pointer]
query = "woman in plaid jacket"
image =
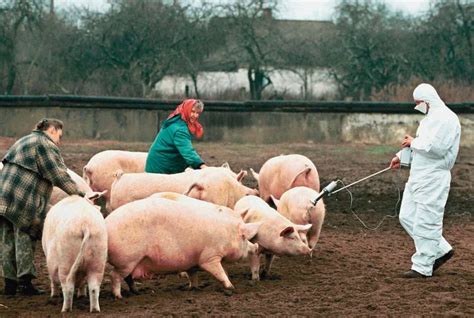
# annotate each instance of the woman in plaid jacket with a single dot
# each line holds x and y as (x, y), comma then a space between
(32, 166)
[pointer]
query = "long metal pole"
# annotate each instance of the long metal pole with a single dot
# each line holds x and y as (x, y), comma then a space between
(350, 185)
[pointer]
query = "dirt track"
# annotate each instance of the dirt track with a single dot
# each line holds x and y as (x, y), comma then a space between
(354, 271)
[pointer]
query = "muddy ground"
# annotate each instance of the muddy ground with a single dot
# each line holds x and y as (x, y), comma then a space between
(354, 271)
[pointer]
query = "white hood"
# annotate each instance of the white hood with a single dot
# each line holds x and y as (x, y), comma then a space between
(428, 94)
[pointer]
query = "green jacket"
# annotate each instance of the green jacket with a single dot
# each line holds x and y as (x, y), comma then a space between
(172, 150)
(32, 166)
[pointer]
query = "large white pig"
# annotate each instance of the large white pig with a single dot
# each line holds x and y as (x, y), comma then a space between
(75, 245)
(99, 171)
(195, 203)
(276, 236)
(58, 194)
(296, 205)
(219, 188)
(278, 174)
(213, 184)
(199, 204)
(162, 236)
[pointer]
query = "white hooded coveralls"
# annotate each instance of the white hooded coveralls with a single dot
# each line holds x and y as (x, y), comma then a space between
(434, 152)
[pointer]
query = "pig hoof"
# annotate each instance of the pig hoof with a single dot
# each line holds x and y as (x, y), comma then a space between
(134, 291)
(194, 288)
(228, 292)
(54, 301)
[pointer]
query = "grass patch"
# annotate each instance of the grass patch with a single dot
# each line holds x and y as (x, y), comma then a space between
(382, 150)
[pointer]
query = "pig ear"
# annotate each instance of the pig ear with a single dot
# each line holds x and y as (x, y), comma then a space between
(241, 175)
(255, 248)
(304, 228)
(305, 172)
(195, 185)
(226, 165)
(287, 231)
(243, 213)
(254, 174)
(249, 230)
(118, 174)
(275, 201)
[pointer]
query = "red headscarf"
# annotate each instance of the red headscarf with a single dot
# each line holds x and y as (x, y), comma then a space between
(184, 109)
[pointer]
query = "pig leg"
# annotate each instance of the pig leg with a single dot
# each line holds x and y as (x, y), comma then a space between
(131, 284)
(193, 279)
(67, 287)
(255, 265)
(268, 265)
(54, 289)
(54, 278)
(116, 279)
(82, 289)
(68, 294)
(313, 235)
(93, 281)
(214, 267)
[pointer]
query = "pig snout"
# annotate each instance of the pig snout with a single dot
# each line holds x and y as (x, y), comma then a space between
(305, 250)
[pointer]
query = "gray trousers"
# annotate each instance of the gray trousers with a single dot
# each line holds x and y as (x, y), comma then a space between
(17, 252)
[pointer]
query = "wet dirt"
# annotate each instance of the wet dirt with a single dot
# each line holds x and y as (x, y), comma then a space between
(356, 267)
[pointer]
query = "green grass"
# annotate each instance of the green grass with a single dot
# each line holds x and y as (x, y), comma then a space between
(382, 150)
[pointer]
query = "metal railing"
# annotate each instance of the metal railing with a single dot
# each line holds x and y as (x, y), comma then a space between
(72, 101)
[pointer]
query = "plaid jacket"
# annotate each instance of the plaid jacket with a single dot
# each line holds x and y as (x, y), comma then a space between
(32, 166)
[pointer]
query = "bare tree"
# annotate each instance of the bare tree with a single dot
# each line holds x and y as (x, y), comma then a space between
(445, 41)
(137, 44)
(367, 52)
(16, 16)
(252, 39)
(201, 41)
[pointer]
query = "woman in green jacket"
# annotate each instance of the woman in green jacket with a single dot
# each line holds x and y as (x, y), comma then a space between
(172, 150)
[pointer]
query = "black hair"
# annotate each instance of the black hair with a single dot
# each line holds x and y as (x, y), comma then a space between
(45, 123)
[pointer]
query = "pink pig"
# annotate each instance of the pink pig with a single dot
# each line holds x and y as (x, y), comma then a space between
(75, 245)
(214, 184)
(99, 171)
(218, 188)
(295, 204)
(161, 236)
(276, 236)
(284, 172)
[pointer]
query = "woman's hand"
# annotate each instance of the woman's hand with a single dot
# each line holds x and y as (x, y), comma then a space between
(202, 166)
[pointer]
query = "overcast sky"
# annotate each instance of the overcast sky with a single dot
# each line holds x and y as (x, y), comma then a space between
(289, 9)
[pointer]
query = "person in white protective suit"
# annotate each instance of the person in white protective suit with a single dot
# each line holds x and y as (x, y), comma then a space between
(434, 151)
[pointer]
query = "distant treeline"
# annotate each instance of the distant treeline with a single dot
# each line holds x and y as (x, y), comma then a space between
(371, 52)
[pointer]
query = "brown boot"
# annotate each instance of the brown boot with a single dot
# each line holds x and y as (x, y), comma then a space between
(26, 288)
(10, 287)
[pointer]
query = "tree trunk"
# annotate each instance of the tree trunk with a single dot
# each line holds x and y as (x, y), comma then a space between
(11, 78)
(256, 79)
(194, 78)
